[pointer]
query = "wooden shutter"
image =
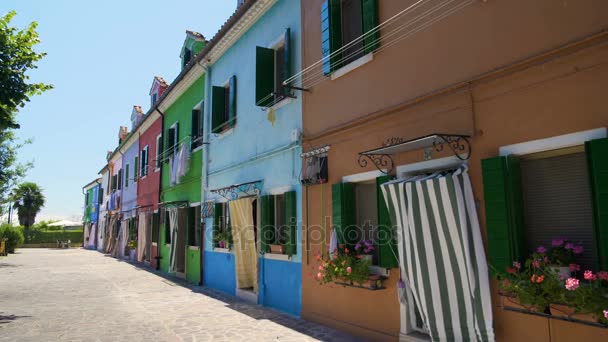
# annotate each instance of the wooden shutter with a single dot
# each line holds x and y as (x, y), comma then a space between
(291, 223)
(504, 224)
(343, 213)
(201, 119)
(369, 14)
(267, 222)
(597, 158)
(217, 218)
(147, 161)
(287, 55)
(136, 168)
(195, 124)
(218, 105)
(127, 176)
(176, 141)
(170, 140)
(264, 76)
(386, 243)
(232, 101)
(331, 34)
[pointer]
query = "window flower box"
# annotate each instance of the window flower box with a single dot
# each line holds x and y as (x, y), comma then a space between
(373, 283)
(277, 249)
(560, 310)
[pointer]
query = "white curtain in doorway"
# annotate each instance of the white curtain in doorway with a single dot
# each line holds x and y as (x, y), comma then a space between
(173, 227)
(142, 229)
(245, 252)
(123, 236)
(441, 254)
(92, 235)
(101, 224)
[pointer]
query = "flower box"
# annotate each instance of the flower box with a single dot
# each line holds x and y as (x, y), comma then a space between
(560, 310)
(373, 283)
(514, 303)
(277, 249)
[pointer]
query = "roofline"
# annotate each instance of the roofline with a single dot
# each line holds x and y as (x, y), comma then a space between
(96, 181)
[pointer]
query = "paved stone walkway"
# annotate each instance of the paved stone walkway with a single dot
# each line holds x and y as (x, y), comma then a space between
(81, 295)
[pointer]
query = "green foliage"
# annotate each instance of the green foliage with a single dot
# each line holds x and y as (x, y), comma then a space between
(75, 236)
(17, 57)
(345, 266)
(14, 236)
(29, 200)
(10, 171)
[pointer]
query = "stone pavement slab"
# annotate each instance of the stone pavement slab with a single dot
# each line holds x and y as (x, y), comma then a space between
(82, 295)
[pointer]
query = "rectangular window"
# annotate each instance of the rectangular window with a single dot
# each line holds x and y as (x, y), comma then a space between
(154, 98)
(114, 182)
(136, 169)
(279, 219)
(120, 179)
(278, 223)
(223, 116)
(352, 28)
(194, 226)
(159, 151)
(144, 161)
(222, 231)
(366, 213)
(172, 140)
(167, 228)
(272, 69)
(196, 133)
(155, 227)
(127, 176)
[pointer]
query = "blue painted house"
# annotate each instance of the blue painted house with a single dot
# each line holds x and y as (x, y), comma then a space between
(252, 199)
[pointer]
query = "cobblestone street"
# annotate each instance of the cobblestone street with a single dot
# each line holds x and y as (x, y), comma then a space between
(81, 295)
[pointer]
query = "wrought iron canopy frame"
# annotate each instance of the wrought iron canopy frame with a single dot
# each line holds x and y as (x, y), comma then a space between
(236, 191)
(175, 204)
(382, 158)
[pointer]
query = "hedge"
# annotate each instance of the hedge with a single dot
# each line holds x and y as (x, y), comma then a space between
(74, 236)
(14, 236)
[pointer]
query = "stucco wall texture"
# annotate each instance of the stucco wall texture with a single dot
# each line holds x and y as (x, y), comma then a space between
(552, 94)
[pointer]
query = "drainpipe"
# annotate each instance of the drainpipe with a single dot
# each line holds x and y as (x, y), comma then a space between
(160, 183)
(205, 167)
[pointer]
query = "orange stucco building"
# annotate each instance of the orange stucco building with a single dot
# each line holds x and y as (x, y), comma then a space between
(501, 72)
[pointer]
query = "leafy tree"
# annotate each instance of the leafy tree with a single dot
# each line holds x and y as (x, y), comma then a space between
(29, 200)
(17, 57)
(11, 172)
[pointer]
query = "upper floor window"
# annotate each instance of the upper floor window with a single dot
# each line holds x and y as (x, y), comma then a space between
(172, 140)
(127, 176)
(196, 133)
(144, 161)
(343, 24)
(187, 57)
(154, 98)
(272, 68)
(223, 116)
(159, 150)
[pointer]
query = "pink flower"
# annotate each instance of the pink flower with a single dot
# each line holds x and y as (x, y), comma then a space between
(516, 264)
(506, 282)
(557, 242)
(541, 249)
(571, 284)
(578, 249)
(569, 245)
(320, 268)
(603, 275)
(319, 275)
(605, 314)
(346, 250)
(574, 267)
(589, 275)
(318, 257)
(536, 264)
(349, 270)
(511, 270)
(537, 279)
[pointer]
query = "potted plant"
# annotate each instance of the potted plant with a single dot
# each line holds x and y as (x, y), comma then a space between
(584, 299)
(277, 249)
(343, 267)
(364, 250)
(563, 253)
(223, 240)
(132, 245)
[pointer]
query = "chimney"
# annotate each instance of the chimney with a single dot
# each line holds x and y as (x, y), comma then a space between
(122, 134)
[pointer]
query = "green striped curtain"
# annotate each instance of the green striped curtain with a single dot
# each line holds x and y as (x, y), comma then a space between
(441, 255)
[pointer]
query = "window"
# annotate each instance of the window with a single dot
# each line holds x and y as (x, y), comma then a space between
(155, 227)
(114, 182)
(154, 98)
(194, 226)
(159, 150)
(172, 140)
(167, 228)
(272, 68)
(359, 213)
(144, 161)
(100, 196)
(86, 199)
(120, 179)
(187, 57)
(278, 222)
(223, 116)
(222, 231)
(342, 23)
(196, 133)
(127, 176)
(529, 199)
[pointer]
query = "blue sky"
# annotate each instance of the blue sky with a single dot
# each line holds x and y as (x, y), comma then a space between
(102, 56)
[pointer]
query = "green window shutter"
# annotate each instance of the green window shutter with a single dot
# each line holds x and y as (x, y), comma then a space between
(232, 101)
(287, 56)
(503, 207)
(176, 136)
(597, 157)
(160, 151)
(170, 140)
(218, 102)
(331, 35)
(267, 222)
(127, 176)
(386, 244)
(291, 229)
(217, 217)
(343, 213)
(369, 11)
(264, 76)
(195, 124)
(201, 119)
(136, 168)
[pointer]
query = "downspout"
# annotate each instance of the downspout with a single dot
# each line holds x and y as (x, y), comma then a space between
(205, 168)
(160, 183)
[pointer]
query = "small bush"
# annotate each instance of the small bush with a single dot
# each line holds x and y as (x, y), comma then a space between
(14, 236)
(53, 236)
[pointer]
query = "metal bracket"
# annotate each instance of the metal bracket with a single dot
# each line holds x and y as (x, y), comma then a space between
(234, 192)
(457, 143)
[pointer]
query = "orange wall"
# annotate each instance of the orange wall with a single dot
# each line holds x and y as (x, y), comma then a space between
(559, 94)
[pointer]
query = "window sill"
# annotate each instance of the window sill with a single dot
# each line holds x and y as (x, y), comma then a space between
(157, 169)
(198, 148)
(221, 135)
(194, 248)
(272, 256)
(352, 66)
(285, 101)
(221, 250)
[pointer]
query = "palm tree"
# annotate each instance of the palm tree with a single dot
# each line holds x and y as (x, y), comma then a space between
(29, 200)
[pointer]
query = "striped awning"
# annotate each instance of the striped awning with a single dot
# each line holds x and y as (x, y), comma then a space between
(441, 254)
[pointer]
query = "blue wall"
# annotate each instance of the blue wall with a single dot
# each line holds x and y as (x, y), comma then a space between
(95, 204)
(219, 272)
(129, 193)
(259, 149)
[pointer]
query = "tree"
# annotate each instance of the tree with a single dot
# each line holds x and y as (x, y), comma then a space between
(11, 172)
(17, 57)
(29, 200)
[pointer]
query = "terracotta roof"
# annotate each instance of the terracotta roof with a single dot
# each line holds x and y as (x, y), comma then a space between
(138, 109)
(161, 81)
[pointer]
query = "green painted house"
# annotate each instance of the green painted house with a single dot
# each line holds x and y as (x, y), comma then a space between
(180, 160)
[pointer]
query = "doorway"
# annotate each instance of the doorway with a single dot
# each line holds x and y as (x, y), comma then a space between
(243, 215)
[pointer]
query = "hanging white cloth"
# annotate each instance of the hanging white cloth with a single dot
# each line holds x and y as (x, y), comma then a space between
(173, 227)
(122, 238)
(141, 236)
(333, 244)
(173, 169)
(92, 235)
(183, 158)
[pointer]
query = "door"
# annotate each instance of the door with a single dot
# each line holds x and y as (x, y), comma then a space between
(245, 247)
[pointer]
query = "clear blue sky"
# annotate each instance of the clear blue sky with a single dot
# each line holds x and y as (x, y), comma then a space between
(102, 56)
